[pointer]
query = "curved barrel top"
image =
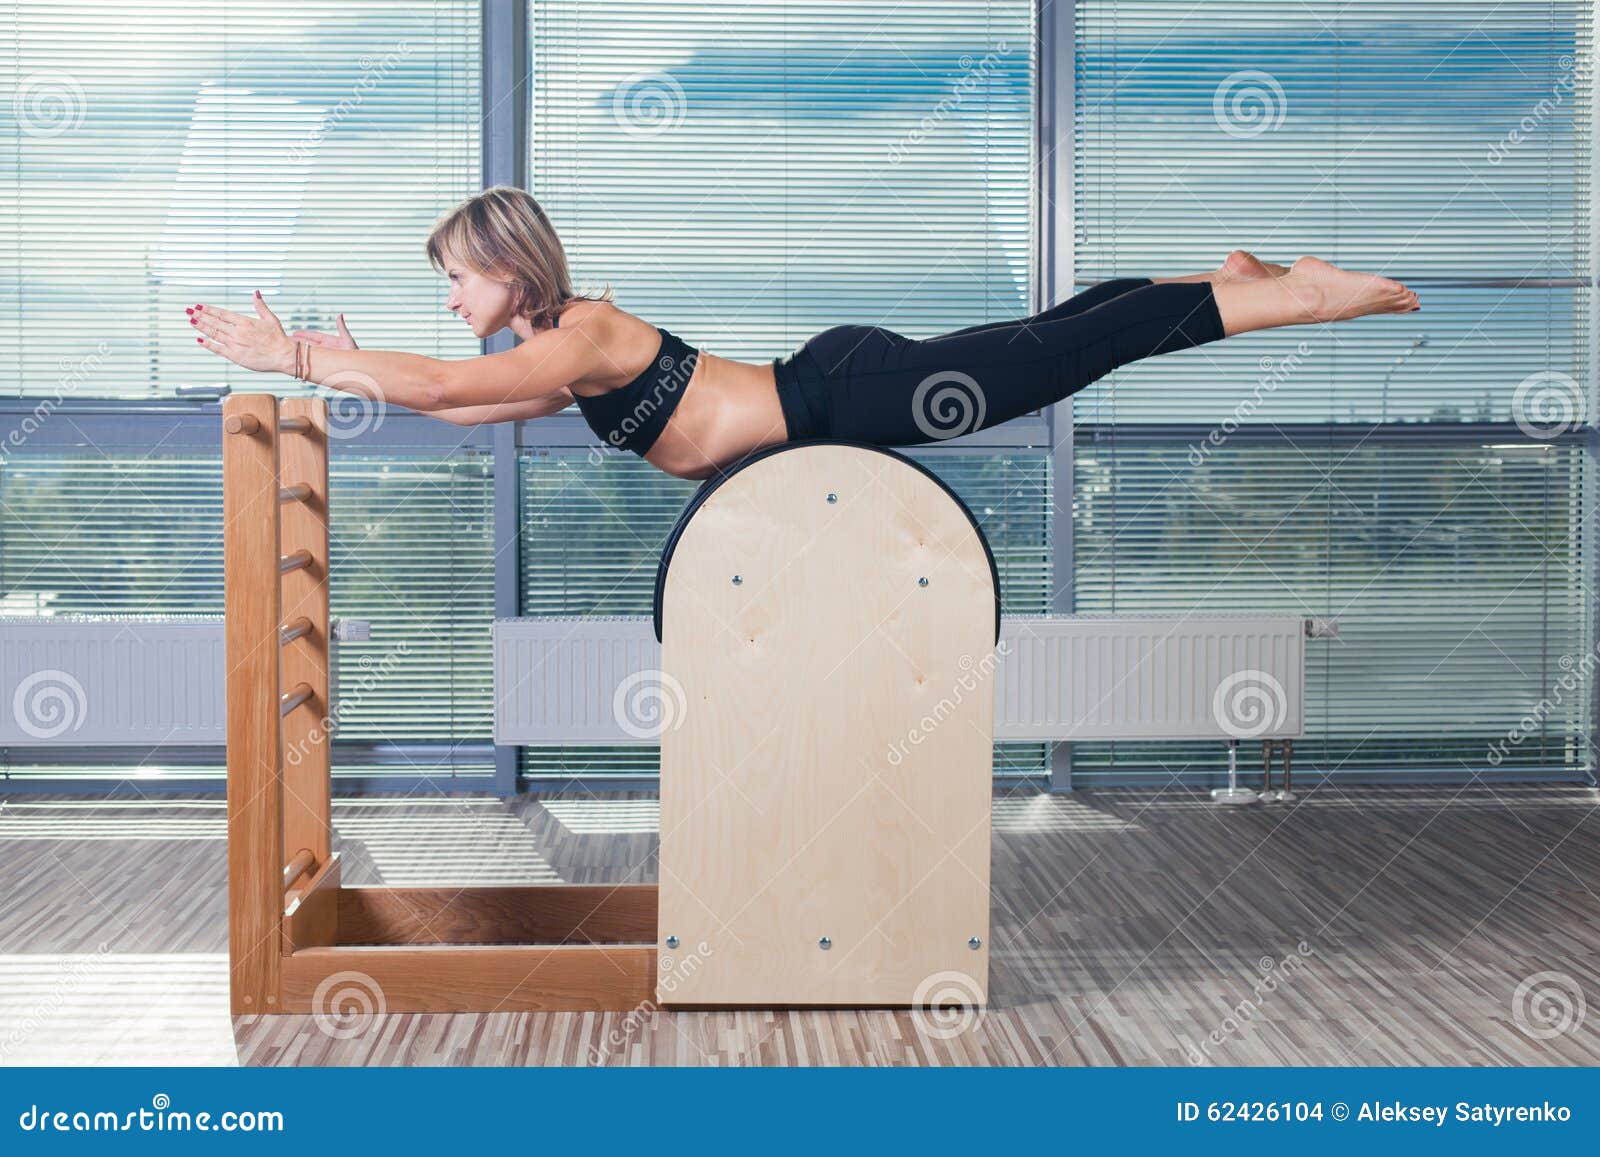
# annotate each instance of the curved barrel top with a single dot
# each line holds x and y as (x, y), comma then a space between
(711, 484)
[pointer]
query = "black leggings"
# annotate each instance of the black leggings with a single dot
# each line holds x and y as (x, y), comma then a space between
(864, 383)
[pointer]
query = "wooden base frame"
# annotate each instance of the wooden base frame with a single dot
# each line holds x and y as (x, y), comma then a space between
(298, 940)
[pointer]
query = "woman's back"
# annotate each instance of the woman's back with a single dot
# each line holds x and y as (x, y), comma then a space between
(722, 410)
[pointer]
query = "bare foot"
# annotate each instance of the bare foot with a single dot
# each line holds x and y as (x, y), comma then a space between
(1334, 294)
(1242, 265)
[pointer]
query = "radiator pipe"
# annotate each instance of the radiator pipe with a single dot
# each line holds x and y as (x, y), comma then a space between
(1233, 793)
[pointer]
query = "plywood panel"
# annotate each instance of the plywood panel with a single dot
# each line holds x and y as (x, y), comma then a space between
(827, 773)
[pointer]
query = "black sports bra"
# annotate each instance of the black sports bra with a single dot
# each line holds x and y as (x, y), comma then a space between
(633, 416)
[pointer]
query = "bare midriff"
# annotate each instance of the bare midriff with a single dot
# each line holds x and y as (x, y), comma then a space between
(727, 409)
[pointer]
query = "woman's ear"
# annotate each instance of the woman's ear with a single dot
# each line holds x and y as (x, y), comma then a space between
(519, 297)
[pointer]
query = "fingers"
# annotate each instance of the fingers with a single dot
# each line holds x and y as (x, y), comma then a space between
(224, 315)
(262, 311)
(217, 346)
(210, 324)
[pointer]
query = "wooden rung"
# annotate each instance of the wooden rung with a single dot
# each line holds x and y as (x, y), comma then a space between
(294, 425)
(289, 700)
(298, 492)
(297, 560)
(302, 863)
(241, 424)
(311, 909)
(291, 632)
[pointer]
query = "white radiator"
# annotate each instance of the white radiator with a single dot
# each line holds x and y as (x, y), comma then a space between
(571, 679)
(596, 680)
(102, 680)
(1084, 677)
(141, 680)
(578, 679)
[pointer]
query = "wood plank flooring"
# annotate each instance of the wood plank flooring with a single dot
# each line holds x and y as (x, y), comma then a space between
(1401, 925)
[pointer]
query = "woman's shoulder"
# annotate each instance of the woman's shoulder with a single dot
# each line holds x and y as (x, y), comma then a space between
(606, 323)
(581, 310)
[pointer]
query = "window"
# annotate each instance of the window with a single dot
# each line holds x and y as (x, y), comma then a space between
(1421, 478)
(159, 154)
(163, 154)
(119, 531)
(747, 175)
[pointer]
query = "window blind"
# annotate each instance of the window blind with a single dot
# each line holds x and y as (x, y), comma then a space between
(1420, 477)
(162, 154)
(593, 535)
(411, 538)
(748, 174)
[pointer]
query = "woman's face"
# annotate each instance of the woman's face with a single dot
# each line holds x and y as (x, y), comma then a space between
(478, 299)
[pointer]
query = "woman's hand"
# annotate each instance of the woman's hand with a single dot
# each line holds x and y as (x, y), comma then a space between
(255, 343)
(340, 341)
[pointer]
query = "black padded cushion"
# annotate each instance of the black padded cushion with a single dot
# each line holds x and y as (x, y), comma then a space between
(709, 486)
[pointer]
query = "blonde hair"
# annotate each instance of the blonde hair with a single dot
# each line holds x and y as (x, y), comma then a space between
(502, 232)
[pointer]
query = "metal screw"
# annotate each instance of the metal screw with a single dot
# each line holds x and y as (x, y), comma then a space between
(825, 943)
(832, 497)
(974, 943)
(737, 579)
(672, 941)
(922, 582)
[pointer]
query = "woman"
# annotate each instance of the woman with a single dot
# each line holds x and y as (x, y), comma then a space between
(692, 413)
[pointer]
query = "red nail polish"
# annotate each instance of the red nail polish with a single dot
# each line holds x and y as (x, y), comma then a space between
(199, 339)
(194, 321)
(198, 308)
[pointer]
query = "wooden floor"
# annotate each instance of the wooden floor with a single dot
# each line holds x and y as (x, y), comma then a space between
(1406, 926)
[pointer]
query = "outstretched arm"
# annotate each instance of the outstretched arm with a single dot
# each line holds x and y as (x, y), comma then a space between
(505, 411)
(537, 371)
